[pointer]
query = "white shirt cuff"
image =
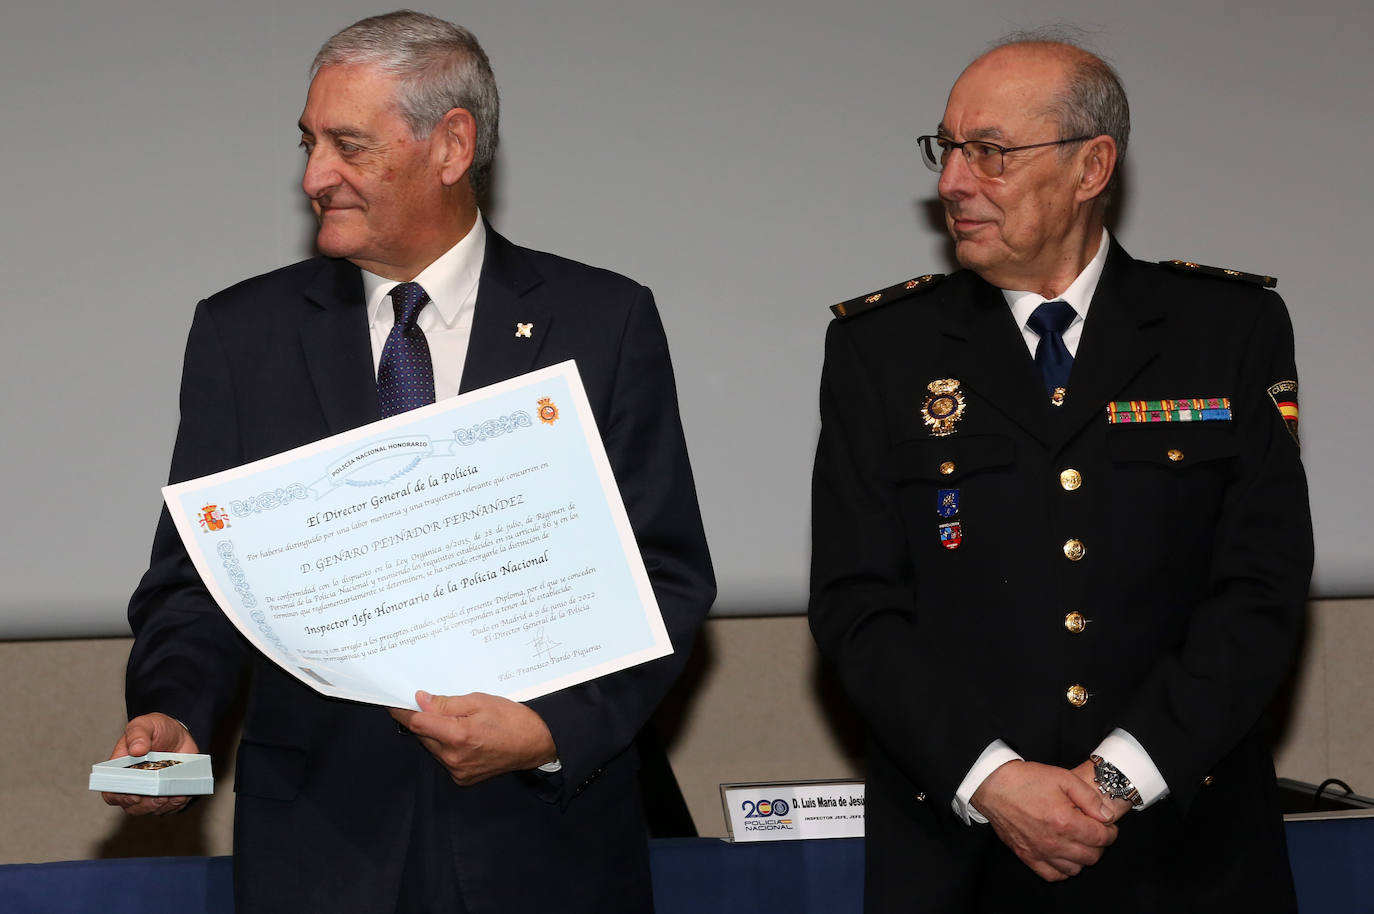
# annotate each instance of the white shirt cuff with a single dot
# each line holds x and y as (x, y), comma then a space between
(552, 767)
(1130, 758)
(994, 756)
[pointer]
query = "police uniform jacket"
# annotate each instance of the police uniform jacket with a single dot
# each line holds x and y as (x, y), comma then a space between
(1184, 546)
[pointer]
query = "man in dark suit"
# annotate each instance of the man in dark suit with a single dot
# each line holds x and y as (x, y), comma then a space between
(477, 804)
(1061, 535)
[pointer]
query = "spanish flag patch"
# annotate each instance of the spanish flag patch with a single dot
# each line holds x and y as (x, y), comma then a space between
(1285, 397)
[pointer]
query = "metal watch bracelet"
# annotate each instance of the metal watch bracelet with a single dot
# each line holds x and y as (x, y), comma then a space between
(1114, 785)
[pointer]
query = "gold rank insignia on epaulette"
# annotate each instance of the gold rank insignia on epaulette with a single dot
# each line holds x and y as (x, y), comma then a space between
(1200, 269)
(856, 306)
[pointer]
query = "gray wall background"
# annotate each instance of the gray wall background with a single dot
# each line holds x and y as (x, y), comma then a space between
(751, 161)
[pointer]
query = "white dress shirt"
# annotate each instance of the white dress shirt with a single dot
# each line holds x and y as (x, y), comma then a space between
(1119, 747)
(1079, 295)
(446, 319)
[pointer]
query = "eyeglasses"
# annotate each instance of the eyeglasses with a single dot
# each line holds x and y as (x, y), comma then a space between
(987, 160)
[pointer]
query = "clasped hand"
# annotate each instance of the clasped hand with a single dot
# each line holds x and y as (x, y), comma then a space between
(1055, 820)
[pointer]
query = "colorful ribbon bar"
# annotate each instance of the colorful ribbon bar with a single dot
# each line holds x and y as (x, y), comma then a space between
(1191, 409)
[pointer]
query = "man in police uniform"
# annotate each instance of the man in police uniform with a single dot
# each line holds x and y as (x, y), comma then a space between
(1061, 534)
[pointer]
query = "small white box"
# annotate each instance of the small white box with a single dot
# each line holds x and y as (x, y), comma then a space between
(157, 774)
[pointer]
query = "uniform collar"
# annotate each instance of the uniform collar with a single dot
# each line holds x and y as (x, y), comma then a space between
(1079, 294)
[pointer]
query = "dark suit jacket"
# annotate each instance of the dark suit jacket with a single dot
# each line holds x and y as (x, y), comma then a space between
(1194, 580)
(326, 789)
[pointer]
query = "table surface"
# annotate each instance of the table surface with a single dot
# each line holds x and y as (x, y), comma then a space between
(1333, 864)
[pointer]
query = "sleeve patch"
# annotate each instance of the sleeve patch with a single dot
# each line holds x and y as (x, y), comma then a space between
(1285, 397)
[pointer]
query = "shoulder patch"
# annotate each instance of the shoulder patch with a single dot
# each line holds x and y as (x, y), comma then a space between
(1198, 269)
(1285, 397)
(856, 306)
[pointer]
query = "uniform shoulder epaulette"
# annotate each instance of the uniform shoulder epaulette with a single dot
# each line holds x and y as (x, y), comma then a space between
(1199, 269)
(901, 290)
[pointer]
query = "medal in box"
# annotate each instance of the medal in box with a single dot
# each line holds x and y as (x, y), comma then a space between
(157, 774)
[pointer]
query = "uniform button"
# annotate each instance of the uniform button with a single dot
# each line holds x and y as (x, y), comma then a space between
(1075, 622)
(1070, 479)
(1175, 454)
(1208, 781)
(1074, 550)
(947, 467)
(1077, 696)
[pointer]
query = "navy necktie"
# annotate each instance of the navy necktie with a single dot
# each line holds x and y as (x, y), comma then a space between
(1049, 321)
(405, 374)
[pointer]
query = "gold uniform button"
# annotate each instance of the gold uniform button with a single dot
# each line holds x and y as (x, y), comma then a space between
(1077, 696)
(1070, 479)
(1175, 454)
(947, 467)
(1075, 622)
(1074, 550)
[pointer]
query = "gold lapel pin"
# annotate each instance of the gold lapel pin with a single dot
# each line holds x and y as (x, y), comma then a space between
(525, 330)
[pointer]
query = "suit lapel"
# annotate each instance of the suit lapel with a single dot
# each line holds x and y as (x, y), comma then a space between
(1122, 335)
(495, 351)
(338, 351)
(987, 354)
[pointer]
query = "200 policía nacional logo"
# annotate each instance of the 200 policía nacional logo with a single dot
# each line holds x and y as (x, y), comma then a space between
(766, 815)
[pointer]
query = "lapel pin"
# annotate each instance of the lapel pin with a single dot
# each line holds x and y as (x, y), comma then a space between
(525, 330)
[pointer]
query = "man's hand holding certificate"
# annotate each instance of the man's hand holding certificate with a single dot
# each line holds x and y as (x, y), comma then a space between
(478, 736)
(476, 545)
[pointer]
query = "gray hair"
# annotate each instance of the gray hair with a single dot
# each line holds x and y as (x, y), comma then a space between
(440, 67)
(1092, 101)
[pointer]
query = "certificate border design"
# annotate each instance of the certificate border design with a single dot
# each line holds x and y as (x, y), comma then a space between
(403, 438)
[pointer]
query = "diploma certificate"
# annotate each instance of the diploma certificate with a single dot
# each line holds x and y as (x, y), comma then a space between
(476, 545)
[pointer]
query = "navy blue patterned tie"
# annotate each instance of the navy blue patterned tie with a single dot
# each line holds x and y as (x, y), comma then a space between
(1049, 321)
(405, 374)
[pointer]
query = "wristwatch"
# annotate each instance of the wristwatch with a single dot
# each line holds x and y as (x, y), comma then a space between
(1114, 785)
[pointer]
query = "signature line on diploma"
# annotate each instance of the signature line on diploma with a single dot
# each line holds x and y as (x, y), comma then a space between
(543, 645)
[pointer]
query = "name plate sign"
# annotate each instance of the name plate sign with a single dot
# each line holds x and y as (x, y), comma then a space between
(794, 810)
